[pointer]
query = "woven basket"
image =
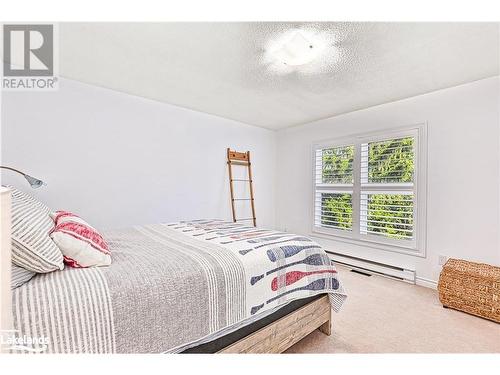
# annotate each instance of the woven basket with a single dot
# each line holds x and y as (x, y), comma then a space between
(471, 287)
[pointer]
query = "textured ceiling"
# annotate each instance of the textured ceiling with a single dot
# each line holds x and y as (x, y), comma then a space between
(225, 68)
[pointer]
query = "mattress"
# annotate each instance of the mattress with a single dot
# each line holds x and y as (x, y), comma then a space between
(171, 287)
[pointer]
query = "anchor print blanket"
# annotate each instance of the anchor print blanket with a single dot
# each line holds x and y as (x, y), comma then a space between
(172, 286)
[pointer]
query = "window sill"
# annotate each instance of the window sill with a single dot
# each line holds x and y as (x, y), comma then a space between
(325, 234)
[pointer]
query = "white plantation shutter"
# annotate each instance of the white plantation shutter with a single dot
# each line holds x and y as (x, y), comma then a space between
(366, 189)
(326, 213)
(389, 152)
(389, 165)
(334, 165)
(389, 214)
(334, 182)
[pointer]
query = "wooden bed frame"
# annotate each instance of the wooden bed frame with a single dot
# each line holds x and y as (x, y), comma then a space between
(287, 331)
(276, 337)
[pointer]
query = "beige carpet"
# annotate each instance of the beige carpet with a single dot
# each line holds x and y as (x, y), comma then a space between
(386, 316)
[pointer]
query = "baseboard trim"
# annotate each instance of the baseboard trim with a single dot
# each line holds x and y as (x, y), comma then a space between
(422, 281)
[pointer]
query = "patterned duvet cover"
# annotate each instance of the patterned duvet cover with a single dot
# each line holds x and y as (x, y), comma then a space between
(172, 286)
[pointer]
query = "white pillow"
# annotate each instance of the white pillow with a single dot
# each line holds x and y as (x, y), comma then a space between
(81, 245)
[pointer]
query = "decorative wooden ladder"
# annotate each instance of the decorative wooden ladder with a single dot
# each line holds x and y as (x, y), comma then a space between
(243, 159)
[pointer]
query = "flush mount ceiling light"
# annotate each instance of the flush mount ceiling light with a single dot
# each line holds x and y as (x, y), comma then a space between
(306, 50)
(297, 48)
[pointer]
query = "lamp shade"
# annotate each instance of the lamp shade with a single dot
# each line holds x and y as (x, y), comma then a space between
(34, 182)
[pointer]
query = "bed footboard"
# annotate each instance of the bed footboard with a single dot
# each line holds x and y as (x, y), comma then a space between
(285, 332)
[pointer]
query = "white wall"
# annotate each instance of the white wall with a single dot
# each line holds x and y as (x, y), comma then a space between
(119, 160)
(463, 172)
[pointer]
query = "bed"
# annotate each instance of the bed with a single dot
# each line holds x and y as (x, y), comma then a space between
(201, 286)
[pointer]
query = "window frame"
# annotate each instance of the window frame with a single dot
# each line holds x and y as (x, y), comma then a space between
(417, 246)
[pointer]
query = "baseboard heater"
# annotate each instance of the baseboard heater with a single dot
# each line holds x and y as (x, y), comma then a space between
(377, 268)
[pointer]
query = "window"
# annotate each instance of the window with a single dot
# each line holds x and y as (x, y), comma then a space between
(334, 168)
(371, 188)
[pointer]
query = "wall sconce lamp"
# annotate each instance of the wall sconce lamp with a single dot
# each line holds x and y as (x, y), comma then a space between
(34, 182)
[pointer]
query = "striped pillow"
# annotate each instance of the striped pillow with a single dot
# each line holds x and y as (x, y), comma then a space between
(81, 245)
(32, 247)
(20, 276)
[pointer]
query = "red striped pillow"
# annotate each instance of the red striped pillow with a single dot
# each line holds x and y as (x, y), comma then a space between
(81, 245)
